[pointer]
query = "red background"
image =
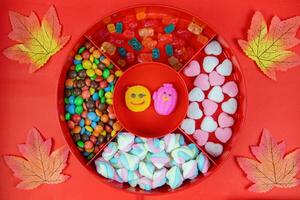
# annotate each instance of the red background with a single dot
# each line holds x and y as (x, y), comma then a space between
(30, 99)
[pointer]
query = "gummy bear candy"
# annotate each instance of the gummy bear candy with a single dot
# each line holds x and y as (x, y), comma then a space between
(183, 33)
(169, 49)
(165, 38)
(111, 28)
(144, 57)
(155, 53)
(122, 51)
(130, 57)
(128, 34)
(146, 32)
(202, 39)
(195, 28)
(108, 48)
(169, 28)
(135, 44)
(174, 62)
(119, 27)
(149, 43)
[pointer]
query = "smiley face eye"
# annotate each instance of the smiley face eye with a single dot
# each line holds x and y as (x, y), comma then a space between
(169, 95)
(133, 95)
(141, 95)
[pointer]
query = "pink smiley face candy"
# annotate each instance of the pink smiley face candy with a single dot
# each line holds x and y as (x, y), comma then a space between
(165, 99)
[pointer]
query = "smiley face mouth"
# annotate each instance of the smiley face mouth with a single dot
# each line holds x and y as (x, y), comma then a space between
(137, 104)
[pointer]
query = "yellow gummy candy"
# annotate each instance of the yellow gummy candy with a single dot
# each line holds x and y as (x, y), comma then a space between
(137, 98)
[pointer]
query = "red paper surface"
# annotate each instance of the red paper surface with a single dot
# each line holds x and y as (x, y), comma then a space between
(30, 99)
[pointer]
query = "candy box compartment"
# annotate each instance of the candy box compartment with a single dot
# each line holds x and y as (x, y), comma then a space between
(160, 190)
(148, 123)
(95, 36)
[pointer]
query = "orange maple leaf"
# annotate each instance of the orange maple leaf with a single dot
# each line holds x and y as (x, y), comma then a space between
(269, 48)
(36, 42)
(38, 166)
(272, 168)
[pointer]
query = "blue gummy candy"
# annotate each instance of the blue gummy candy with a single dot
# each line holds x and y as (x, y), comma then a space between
(135, 44)
(170, 28)
(169, 49)
(119, 27)
(155, 53)
(122, 51)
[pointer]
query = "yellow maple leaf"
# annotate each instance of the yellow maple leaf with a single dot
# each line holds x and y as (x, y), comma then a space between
(36, 42)
(269, 48)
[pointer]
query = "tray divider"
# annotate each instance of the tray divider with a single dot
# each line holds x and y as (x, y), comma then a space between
(103, 53)
(197, 53)
(103, 147)
(199, 147)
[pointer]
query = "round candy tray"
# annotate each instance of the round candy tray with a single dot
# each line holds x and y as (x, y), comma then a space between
(151, 71)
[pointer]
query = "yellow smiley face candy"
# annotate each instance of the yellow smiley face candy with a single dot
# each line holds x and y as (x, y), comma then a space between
(137, 98)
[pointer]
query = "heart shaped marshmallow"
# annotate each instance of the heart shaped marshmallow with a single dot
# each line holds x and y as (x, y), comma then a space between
(216, 79)
(201, 137)
(230, 106)
(202, 82)
(194, 111)
(209, 63)
(209, 107)
(196, 94)
(223, 134)
(225, 120)
(193, 69)
(216, 94)
(209, 124)
(188, 126)
(230, 88)
(213, 48)
(225, 68)
(214, 149)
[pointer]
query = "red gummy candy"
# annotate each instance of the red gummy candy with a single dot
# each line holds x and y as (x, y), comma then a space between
(128, 34)
(165, 38)
(184, 34)
(130, 22)
(149, 43)
(144, 57)
(177, 42)
(150, 23)
(130, 56)
(169, 20)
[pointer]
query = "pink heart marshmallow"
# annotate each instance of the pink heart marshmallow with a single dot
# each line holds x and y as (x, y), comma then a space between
(216, 79)
(225, 120)
(223, 134)
(209, 107)
(202, 82)
(230, 88)
(193, 69)
(201, 137)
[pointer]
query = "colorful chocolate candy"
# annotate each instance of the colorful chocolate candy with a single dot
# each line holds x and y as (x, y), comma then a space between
(88, 100)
